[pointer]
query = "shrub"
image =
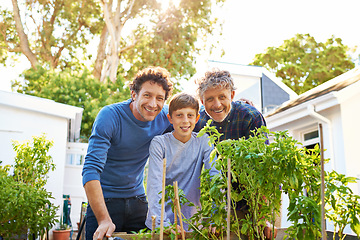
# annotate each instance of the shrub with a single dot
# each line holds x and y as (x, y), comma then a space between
(25, 203)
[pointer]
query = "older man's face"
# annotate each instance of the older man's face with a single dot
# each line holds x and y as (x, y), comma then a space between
(217, 102)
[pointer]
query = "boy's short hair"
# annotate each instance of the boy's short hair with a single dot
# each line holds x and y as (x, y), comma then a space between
(183, 100)
(213, 79)
(155, 74)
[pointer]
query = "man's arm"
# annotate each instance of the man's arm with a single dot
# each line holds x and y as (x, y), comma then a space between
(95, 197)
(95, 160)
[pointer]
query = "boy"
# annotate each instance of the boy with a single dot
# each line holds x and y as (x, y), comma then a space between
(185, 155)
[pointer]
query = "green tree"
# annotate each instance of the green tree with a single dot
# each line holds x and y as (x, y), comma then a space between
(76, 88)
(49, 32)
(130, 33)
(303, 63)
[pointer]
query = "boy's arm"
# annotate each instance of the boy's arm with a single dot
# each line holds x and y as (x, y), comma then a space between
(154, 182)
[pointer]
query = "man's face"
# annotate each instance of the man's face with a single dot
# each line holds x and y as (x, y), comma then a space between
(148, 103)
(217, 102)
(183, 121)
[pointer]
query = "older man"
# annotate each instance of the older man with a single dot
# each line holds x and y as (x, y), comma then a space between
(234, 119)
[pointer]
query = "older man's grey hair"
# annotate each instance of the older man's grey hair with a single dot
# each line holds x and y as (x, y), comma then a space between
(214, 78)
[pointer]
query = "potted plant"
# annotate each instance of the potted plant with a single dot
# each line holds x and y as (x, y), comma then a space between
(63, 231)
(25, 203)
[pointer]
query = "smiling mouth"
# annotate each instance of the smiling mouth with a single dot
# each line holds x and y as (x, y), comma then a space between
(218, 111)
(184, 128)
(150, 110)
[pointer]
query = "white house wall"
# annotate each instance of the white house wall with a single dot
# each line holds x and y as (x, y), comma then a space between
(73, 180)
(73, 187)
(351, 131)
(248, 87)
(338, 149)
(20, 125)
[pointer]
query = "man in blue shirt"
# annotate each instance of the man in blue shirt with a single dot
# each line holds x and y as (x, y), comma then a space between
(118, 149)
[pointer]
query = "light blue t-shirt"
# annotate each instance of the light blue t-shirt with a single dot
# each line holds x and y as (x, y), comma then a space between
(184, 162)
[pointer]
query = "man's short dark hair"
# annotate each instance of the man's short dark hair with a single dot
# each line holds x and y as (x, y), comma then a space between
(157, 75)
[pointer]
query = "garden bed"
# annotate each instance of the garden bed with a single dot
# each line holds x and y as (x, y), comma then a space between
(280, 236)
(126, 236)
(293, 171)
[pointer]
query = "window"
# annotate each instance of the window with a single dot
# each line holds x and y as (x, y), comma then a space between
(75, 154)
(75, 159)
(310, 139)
(311, 135)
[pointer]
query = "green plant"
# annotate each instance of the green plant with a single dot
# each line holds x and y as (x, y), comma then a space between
(62, 225)
(342, 205)
(25, 203)
(170, 195)
(302, 184)
(263, 170)
(259, 172)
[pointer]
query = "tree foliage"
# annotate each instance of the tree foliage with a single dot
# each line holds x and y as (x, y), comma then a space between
(303, 63)
(172, 41)
(129, 33)
(58, 37)
(50, 32)
(76, 88)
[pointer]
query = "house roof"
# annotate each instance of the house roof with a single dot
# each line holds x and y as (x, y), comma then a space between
(235, 68)
(45, 106)
(333, 85)
(252, 71)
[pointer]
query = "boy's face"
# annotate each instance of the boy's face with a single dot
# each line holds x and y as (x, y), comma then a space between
(184, 121)
(148, 103)
(217, 102)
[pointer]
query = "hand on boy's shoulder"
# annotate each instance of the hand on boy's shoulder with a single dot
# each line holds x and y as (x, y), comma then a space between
(247, 101)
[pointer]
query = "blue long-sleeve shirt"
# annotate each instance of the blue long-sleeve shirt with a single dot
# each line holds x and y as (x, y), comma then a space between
(119, 148)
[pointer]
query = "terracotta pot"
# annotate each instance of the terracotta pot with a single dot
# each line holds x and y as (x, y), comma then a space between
(61, 234)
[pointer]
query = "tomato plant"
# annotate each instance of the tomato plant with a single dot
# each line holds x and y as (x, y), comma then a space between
(260, 173)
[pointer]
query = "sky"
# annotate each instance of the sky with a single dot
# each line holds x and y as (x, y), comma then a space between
(253, 25)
